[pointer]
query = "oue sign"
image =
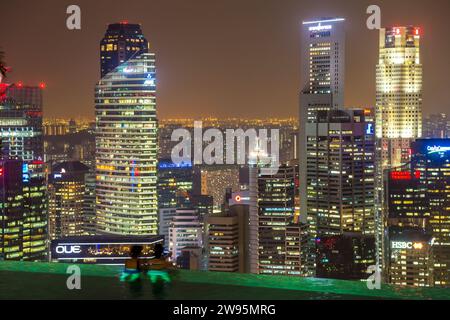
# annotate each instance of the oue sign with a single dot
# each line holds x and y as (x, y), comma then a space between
(68, 249)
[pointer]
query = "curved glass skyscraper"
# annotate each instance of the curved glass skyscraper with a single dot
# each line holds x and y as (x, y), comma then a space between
(126, 148)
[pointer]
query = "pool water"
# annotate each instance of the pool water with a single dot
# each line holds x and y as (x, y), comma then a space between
(21, 280)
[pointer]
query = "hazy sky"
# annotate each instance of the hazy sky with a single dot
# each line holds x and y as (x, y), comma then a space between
(225, 58)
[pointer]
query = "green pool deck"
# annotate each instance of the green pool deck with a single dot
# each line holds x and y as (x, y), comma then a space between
(27, 280)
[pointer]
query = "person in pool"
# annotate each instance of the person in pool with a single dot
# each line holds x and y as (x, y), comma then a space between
(158, 267)
(133, 266)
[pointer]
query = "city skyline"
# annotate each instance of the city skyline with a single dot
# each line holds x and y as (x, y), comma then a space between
(197, 160)
(226, 57)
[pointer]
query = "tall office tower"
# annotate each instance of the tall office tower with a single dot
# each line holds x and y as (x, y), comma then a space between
(410, 259)
(431, 158)
(436, 126)
(398, 111)
(227, 238)
(185, 231)
(399, 84)
(21, 138)
(126, 148)
(66, 192)
(277, 195)
(11, 214)
(173, 179)
(122, 41)
(322, 82)
(225, 246)
(340, 159)
(409, 244)
(418, 203)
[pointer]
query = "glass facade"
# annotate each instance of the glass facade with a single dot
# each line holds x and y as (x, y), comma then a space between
(126, 149)
(21, 138)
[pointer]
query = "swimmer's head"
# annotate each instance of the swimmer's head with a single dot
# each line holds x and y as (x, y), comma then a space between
(158, 250)
(135, 251)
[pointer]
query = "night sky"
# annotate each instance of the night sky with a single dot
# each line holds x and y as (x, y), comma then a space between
(224, 58)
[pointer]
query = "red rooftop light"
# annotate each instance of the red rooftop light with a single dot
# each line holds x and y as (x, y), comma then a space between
(20, 84)
(42, 85)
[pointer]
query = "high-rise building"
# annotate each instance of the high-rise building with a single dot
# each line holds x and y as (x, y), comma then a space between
(21, 138)
(126, 148)
(340, 178)
(185, 230)
(409, 257)
(223, 243)
(277, 201)
(66, 194)
(12, 206)
(399, 84)
(436, 126)
(122, 42)
(322, 82)
(431, 159)
(173, 179)
(227, 241)
(417, 205)
(398, 111)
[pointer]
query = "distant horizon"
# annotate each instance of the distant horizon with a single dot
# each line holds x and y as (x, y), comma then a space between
(226, 58)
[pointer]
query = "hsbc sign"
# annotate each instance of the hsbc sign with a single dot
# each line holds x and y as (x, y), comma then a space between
(407, 245)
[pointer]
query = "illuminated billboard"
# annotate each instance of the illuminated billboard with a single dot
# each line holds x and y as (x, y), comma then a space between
(101, 249)
(433, 149)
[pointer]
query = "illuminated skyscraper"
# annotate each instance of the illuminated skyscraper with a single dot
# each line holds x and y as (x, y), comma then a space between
(418, 215)
(277, 202)
(121, 42)
(185, 230)
(398, 112)
(323, 75)
(11, 210)
(399, 84)
(126, 148)
(173, 179)
(21, 138)
(66, 190)
(340, 179)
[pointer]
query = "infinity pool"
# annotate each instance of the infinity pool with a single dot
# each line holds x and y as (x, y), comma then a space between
(21, 280)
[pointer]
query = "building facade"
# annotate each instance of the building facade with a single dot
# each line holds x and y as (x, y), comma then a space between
(398, 110)
(22, 139)
(126, 148)
(277, 199)
(122, 41)
(417, 206)
(66, 194)
(185, 230)
(340, 178)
